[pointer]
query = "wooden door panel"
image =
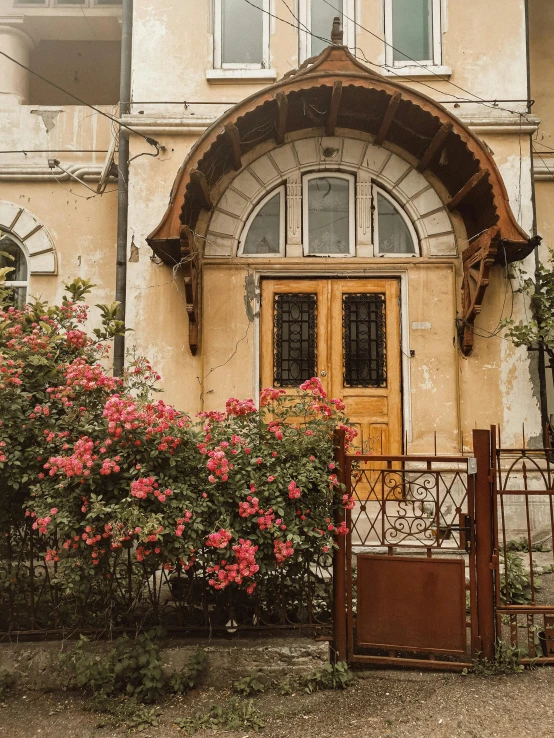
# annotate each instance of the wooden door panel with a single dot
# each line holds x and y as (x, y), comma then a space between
(357, 330)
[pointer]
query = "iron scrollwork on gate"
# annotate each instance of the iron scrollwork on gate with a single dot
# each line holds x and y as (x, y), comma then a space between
(364, 340)
(295, 338)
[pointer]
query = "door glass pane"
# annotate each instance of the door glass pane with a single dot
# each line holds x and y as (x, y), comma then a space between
(295, 339)
(411, 30)
(328, 215)
(264, 234)
(394, 235)
(321, 21)
(364, 342)
(242, 32)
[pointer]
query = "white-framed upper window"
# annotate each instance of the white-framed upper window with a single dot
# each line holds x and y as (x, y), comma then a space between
(17, 279)
(316, 21)
(264, 231)
(413, 32)
(328, 214)
(241, 34)
(67, 3)
(394, 234)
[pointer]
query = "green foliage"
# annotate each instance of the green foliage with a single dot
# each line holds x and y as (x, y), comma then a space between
(181, 682)
(327, 677)
(538, 332)
(250, 685)
(133, 667)
(515, 580)
(506, 661)
(7, 683)
(126, 712)
(522, 544)
(234, 714)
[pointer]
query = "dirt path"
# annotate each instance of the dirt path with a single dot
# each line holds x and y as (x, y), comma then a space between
(378, 705)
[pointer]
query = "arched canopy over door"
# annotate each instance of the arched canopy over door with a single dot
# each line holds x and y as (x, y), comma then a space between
(335, 91)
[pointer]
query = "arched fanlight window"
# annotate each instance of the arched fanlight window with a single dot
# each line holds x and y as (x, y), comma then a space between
(264, 232)
(394, 234)
(329, 212)
(16, 280)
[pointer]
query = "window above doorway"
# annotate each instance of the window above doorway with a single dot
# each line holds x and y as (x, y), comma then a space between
(325, 214)
(12, 256)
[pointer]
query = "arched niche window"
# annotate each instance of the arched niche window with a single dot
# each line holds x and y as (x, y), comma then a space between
(264, 232)
(328, 214)
(17, 279)
(394, 233)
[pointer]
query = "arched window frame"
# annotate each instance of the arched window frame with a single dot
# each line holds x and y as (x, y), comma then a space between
(322, 174)
(399, 209)
(25, 255)
(282, 231)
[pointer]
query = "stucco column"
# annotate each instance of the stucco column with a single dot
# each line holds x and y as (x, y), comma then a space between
(14, 81)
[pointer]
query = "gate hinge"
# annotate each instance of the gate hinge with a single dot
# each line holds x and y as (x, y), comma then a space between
(494, 561)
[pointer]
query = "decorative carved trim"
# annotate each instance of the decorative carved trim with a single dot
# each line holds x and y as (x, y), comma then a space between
(363, 208)
(294, 209)
(477, 260)
(191, 258)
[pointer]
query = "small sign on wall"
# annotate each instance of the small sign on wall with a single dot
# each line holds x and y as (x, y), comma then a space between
(421, 326)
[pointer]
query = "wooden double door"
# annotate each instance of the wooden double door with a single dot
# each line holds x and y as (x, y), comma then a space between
(347, 333)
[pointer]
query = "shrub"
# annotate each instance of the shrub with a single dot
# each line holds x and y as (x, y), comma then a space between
(105, 473)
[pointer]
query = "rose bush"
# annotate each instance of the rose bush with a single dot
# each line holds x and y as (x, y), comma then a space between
(102, 470)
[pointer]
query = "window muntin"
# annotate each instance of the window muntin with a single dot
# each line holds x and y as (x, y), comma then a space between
(328, 214)
(16, 280)
(241, 34)
(413, 32)
(264, 232)
(394, 234)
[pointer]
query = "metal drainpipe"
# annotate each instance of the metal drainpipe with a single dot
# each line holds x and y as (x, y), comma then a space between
(541, 357)
(123, 180)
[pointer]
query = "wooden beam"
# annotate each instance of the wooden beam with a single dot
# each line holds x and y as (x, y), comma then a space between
(233, 136)
(435, 146)
(334, 109)
(390, 112)
(281, 119)
(201, 189)
(466, 189)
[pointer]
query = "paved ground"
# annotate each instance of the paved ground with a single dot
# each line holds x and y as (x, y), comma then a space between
(379, 705)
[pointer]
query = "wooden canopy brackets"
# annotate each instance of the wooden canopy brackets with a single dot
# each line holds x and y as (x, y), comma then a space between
(466, 189)
(233, 136)
(334, 109)
(281, 118)
(390, 112)
(435, 146)
(200, 188)
(191, 258)
(477, 260)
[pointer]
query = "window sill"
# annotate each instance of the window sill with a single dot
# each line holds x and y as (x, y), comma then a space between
(415, 71)
(240, 76)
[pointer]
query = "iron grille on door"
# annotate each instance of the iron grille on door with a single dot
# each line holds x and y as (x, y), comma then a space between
(295, 338)
(364, 342)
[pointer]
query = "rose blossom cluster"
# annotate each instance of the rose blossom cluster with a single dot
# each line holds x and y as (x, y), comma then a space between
(187, 516)
(282, 550)
(250, 507)
(244, 568)
(220, 539)
(144, 486)
(218, 464)
(294, 490)
(240, 407)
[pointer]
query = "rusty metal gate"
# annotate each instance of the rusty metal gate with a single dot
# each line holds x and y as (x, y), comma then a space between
(524, 553)
(413, 581)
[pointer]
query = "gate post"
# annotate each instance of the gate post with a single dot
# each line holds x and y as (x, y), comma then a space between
(484, 541)
(339, 559)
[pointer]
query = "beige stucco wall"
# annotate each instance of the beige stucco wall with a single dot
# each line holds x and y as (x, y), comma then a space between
(447, 393)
